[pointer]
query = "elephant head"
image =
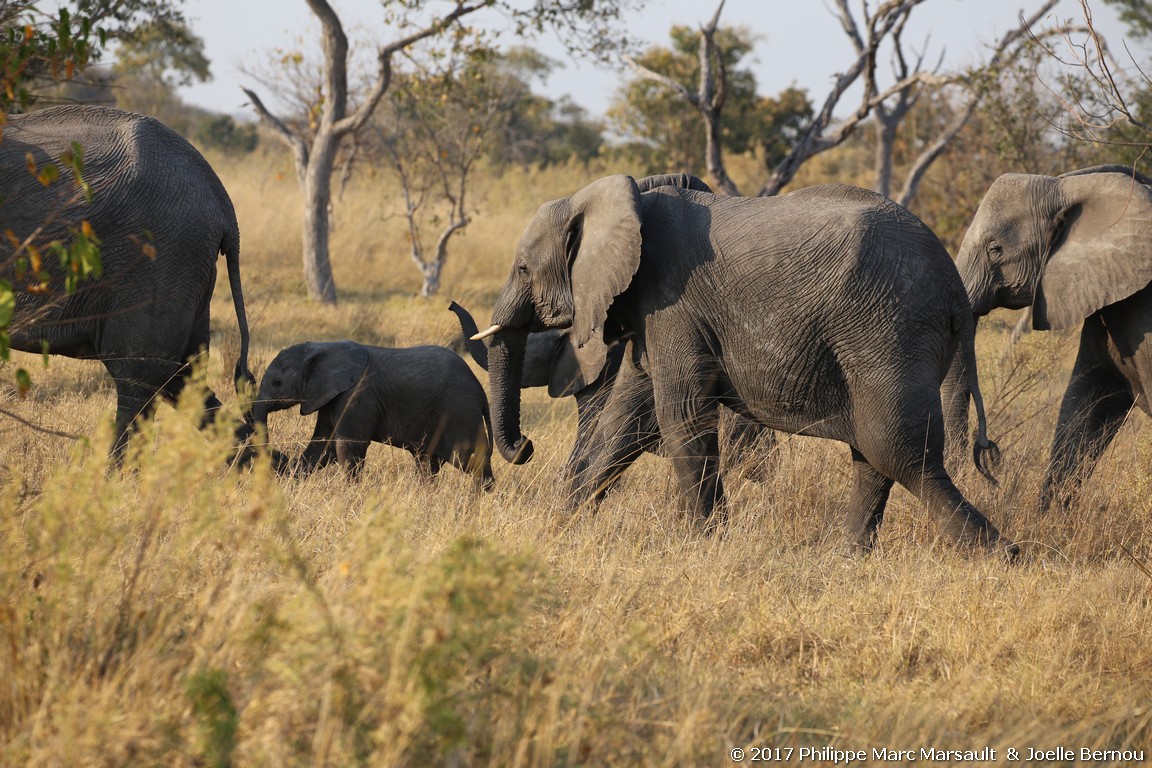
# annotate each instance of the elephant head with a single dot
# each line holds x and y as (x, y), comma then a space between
(576, 255)
(309, 375)
(550, 358)
(1067, 246)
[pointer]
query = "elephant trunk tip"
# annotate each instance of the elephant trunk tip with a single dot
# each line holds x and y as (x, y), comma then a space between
(518, 453)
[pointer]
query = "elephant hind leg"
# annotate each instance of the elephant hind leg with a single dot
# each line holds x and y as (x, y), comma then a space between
(479, 465)
(866, 507)
(956, 517)
(1094, 408)
(914, 457)
(138, 384)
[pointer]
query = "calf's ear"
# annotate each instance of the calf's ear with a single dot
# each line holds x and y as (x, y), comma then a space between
(331, 369)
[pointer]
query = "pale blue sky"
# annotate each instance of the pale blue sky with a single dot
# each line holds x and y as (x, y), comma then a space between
(801, 41)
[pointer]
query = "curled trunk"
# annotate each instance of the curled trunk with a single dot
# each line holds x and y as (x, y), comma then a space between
(476, 348)
(505, 372)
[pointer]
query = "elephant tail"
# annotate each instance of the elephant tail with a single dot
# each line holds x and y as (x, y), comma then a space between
(985, 453)
(476, 348)
(230, 246)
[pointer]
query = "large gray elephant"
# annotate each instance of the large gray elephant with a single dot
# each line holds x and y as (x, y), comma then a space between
(162, 217)
(830, 312)
(422, 399)
(1077, 249)
(587, 372)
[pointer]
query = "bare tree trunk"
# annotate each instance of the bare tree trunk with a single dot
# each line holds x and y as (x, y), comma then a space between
(713, 92)
(820, 136)
(885, 144)
(316, 153)
(317, 191)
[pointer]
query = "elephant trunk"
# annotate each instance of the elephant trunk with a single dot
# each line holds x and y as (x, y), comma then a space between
(505, 373)
(977, 278)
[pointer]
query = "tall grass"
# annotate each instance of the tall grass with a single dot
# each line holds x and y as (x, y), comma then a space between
(182, 613)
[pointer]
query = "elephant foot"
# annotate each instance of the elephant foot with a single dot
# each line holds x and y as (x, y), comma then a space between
(861, 545)
(715, 522)
(990, 541)
(1009, 550)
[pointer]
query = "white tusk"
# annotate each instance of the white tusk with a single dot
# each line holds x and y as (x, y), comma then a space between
(485, 334)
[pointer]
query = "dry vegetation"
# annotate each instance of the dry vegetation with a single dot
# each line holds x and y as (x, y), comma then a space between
(182, 614)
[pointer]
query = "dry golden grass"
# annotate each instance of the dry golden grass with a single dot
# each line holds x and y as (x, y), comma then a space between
(182, 614)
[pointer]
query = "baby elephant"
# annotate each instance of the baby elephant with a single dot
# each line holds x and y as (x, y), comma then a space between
(423, 399)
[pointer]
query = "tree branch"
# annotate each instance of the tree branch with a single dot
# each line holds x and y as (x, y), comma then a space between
(1001, 54)
(667, 82)
(814, 141)
(287, 135)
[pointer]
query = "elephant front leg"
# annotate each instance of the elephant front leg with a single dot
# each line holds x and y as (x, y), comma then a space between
(320, 451)
(1092, 412)
(619, 434)
(689, 419)
(590, 402)
(352, 453)
(866, 507)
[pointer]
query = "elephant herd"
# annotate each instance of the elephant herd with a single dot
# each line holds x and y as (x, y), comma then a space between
(684, 323)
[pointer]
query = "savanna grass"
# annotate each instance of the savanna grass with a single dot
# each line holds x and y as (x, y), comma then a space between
(183, 613)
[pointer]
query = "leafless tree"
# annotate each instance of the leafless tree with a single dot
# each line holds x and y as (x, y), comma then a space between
(1006, 50)
(590, 29)
(888, 107)
(1097, 112)
(708, 99)
(824, 132)
(437, 125)
(314, 146)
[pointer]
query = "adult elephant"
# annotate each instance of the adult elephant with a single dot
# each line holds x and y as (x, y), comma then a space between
(830, 312)
(162, 217)
(586, 372)
(1077, 249)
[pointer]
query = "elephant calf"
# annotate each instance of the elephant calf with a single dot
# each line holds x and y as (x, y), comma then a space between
(423, 399)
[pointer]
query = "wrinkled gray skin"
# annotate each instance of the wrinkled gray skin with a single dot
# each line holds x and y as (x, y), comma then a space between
(1076, 249)
(830, 312)
(552, 360)
(144, 318)
(422, 399)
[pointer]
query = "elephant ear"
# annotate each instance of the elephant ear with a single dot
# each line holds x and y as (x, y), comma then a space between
(604, 231)
(329, 370)
(577, 367)
(1100, 249)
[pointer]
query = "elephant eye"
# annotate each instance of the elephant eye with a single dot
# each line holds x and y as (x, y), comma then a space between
(995, 251)
(522, 268)
(276, 382)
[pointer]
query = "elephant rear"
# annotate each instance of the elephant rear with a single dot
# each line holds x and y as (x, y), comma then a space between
(161, 217)
(448, 405)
